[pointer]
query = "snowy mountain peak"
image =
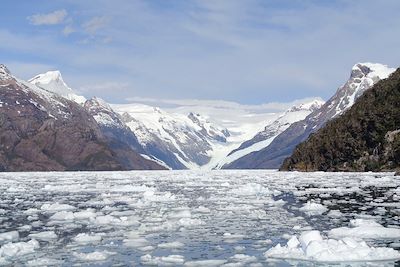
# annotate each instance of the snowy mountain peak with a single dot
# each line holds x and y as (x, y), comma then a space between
(307, 106)
(52, 81)
(4, 72)
(370, 70)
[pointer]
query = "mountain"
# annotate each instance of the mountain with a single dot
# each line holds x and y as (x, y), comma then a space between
(112, 126)
(52, 81)
(263, 138)
(180, 141)
(365, 138)
(41, 131)
(362, 77)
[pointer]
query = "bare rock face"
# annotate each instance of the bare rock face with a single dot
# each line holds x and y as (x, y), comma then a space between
(42, 131)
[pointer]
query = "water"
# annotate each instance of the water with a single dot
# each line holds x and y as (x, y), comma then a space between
(139, 218)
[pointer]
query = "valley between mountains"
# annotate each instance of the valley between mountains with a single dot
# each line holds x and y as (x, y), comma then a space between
(46, 125)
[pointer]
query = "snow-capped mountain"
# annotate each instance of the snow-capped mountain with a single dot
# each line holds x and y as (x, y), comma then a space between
(52, 81)
(41, 130)
(181, 141)
(363, 76)
(263, 138)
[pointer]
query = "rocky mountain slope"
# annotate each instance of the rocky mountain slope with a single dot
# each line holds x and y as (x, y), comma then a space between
(180, 141)
(363, 76)
(42, 131)
(263, 138)
(365, 138)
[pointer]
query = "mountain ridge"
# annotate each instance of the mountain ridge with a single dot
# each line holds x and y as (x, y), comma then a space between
(360, 139)
(362, 77)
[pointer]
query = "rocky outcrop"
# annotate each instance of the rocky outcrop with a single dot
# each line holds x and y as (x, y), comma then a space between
(365, 138)
(43, 131)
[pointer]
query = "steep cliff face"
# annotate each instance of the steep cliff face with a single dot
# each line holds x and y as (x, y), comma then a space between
(42, 131)
(365, 138)
(362, 77)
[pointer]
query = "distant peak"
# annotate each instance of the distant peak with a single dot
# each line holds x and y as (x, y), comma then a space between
(47, 77)
(4, 69)
(360, 70)
(5, 73)
(309, 105)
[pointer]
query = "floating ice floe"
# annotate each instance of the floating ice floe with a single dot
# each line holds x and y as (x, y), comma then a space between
(171, 245)
(84, 238)
(368, 229)
(9, 237)
(312, 208)
(44, 262)
(18, 249)
(93, 256)
(170, 260)
(205, 263)
(311, 246)
(56, 207)
(44, 236)
(251, 189)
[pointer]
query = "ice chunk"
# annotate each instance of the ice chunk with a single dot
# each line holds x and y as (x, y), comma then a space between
(18, 249)
(9, 236)
(243, 258)
(369, 229)
(44, 236)
(93, 256)
(170, 260)
(312, 247)
(309, 236)
(84, 238)
(204, 263)
(171, 245)
(56, 207)
(312, 208)
(44, 262)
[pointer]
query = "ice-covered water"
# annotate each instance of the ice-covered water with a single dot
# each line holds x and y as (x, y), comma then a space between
(195, 218)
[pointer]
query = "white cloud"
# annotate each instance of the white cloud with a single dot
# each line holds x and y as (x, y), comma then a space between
(92, 26)
(53, 18)
(68, 30)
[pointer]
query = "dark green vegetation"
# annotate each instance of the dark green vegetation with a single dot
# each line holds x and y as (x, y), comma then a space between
(365, 138)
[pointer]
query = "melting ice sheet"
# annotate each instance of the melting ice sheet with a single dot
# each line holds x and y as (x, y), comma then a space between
(194, 218)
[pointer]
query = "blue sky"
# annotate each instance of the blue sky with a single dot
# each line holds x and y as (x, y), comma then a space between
(247, 51)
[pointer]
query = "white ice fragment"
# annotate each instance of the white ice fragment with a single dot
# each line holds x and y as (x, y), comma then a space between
(312, 208)
(93, 256)
(362, 228)
(170, 260)
(44, 262)
(56, 207)
(44, 236)
(9, 236)
(204, 263)
(171, 245)
(84, 238)
(243, 258)
(312, 247)
(18, 249)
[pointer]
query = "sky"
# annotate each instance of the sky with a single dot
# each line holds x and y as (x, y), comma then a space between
(246, 51)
